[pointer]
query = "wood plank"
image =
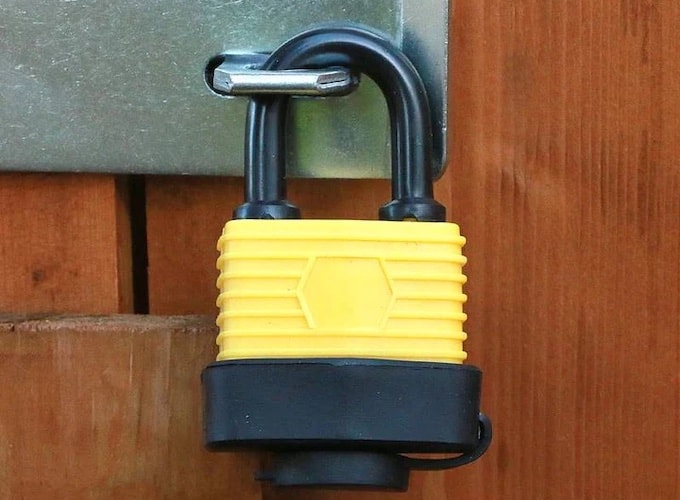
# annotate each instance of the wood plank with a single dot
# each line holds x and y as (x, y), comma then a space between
(64, 244)
(110, 407)
(569, 194)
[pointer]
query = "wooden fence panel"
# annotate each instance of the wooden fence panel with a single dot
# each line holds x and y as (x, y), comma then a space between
(64, 244)
(564, 174)
(110, 407)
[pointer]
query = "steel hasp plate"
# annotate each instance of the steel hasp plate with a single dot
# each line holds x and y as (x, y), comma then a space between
(118, 86)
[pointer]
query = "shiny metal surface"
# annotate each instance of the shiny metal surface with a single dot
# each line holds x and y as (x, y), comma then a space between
(236, 81)
(118, 86)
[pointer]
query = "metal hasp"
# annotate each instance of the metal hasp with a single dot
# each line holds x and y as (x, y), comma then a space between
(119, 86)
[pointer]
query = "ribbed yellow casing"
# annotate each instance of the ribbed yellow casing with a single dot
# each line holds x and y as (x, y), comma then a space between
(341, 288)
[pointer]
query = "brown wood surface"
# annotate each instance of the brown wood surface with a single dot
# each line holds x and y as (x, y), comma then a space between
(64, 244)
(565, 177)
(110, 408)
(564, 174)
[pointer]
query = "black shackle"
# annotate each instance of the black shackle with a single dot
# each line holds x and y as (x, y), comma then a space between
(359, 49)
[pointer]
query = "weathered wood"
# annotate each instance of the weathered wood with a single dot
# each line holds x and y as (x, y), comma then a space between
(110, 407)
(64, 244)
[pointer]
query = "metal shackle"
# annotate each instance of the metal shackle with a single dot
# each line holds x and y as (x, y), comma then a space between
(368, 52)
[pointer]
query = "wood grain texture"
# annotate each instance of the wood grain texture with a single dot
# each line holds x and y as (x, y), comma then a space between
(566, 151)
(64, 244)
(110, 407)
(565, 177)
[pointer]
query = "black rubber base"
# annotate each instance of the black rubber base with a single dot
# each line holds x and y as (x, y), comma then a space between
(341, 404)
(343, 423)
(338, 469)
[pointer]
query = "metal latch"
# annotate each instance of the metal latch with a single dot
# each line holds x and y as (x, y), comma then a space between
(238, 74)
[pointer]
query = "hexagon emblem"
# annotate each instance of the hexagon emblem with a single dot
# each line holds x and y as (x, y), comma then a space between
(345, 293)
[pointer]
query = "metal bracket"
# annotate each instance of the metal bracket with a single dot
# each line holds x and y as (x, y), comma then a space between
(119, 86)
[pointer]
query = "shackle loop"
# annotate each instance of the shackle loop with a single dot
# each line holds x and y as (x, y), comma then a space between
(363, 50)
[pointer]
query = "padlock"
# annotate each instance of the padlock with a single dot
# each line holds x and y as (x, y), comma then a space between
(341, 341)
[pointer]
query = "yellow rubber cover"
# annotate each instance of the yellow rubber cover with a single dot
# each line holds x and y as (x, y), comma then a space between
(341, 288)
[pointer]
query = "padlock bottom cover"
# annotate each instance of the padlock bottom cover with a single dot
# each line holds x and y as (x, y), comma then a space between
(341, 404)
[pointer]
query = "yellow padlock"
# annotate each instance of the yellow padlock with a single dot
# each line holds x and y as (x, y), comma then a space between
(341, 341)
(341, 288)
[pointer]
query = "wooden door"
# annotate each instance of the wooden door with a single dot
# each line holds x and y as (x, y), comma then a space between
(564, 174)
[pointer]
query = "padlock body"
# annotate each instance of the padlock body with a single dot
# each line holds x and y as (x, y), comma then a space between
(302, 288)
